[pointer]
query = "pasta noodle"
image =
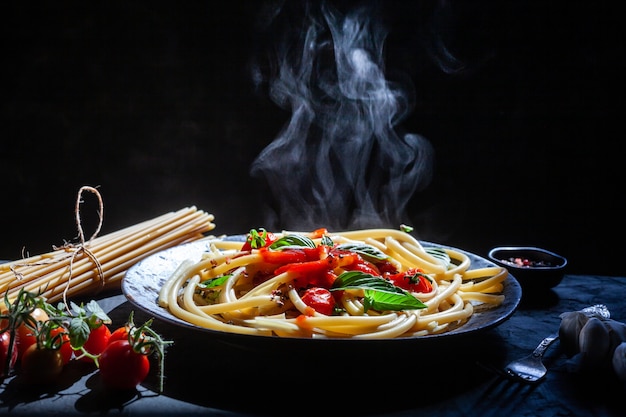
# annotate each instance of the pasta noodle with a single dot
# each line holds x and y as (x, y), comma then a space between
(383, 284)
(68, 272)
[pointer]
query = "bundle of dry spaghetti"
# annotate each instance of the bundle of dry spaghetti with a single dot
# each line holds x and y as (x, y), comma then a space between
(101, 262)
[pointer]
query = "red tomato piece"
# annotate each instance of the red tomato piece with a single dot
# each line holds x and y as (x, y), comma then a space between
(258, 239)
(289, 256)
(97, 341)
(318, 233)
(362, 266)
(386, 267)
(122, 368)
(319, 299)
(412, 280)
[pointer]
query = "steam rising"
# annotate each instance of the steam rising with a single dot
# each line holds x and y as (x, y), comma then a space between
(339, 162)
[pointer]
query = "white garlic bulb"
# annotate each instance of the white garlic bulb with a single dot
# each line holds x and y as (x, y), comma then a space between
(619, 361)
(571, 324)
(594, 344)
(617, 332)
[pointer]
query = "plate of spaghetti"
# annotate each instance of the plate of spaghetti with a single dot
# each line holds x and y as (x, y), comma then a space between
(369, 284)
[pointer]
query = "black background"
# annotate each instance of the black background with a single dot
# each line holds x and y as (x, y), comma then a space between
(154, 102)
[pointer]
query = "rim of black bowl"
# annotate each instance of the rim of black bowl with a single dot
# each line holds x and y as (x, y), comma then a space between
(562, 261)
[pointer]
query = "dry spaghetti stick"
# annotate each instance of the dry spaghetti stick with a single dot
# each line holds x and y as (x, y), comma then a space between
(112, 276)
(85, 264)
(148, 235)
(46, 263)
(165, 225)
(100, 246)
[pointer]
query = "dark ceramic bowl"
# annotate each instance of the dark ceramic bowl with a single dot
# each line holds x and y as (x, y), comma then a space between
(534, 268)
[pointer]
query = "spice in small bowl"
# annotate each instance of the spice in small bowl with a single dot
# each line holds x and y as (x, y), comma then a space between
(534, 268)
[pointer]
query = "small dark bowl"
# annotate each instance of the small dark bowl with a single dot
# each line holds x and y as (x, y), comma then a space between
(541, 270)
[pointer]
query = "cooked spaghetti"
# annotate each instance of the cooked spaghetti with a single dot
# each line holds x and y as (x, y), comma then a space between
(376, 283)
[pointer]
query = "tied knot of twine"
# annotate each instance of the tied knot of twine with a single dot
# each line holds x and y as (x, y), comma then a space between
(82, 247)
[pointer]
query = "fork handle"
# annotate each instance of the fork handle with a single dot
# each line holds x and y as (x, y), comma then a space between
(545, 344)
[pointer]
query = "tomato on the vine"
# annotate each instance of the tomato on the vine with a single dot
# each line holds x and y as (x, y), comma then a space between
(96, 342)
(121, 367)
(121, 333)
(41, 365)
(124, 363)
(7, 364)
(25, 331)
(65, 348)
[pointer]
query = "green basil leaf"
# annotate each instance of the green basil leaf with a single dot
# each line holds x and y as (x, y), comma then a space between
(385, 301)
(257, 240)
(292, 242)
(440, 254)
(78, 332)
(368, 252)
(380, 294)
(214, 282)
(362, 281)
(327, 241)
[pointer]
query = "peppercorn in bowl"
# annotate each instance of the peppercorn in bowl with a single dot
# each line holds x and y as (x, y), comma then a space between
(534, 268)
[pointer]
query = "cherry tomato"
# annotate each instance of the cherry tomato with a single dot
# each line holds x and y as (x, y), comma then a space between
(25, 331)
(318, 233)
(359, 264)
(121, 333)
(65, 347)
(6, 365)
(41, 365)
(412, 280)
(121, 367)
(97, 341)
(319, 299)
(258, 239)
(386, 267)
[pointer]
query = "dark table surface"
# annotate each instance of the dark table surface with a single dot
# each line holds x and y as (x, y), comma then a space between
(444, 378)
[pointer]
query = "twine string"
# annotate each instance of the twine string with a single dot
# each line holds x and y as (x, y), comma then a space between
(82, 246)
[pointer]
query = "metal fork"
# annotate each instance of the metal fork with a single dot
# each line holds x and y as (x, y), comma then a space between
(531, 368)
